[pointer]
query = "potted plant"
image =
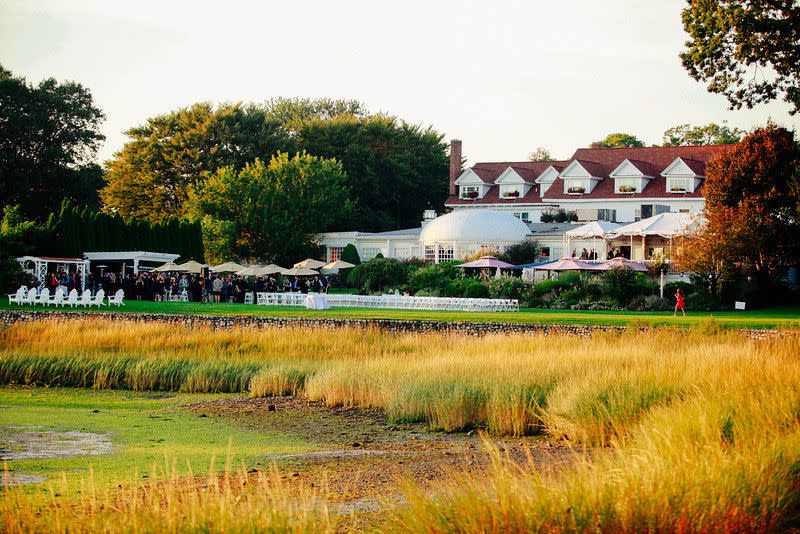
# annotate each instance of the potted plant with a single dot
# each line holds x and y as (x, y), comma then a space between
(511, 194)
(577, 189)
(627, 189)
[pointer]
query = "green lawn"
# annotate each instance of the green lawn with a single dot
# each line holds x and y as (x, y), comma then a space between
(145, 429)
(766, 318)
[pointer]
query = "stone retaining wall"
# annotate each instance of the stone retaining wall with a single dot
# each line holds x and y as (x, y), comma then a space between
(9, 317)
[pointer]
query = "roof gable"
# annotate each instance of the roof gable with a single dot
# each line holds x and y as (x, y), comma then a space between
(548, 175)
(683, 167)
(510, 176)
(469, 177)
(632, 169)
(582, 169)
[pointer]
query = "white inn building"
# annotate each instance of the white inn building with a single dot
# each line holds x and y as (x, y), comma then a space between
(616, 185)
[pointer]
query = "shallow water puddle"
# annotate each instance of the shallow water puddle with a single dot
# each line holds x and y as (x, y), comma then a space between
(34, 443)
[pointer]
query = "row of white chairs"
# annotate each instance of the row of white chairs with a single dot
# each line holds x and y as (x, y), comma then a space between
(35, 297)
(394, 302)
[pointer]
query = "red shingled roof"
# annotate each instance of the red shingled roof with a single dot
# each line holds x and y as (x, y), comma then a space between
(599, 162)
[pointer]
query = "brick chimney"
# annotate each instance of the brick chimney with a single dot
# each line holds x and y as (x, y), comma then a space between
(455, 164)
(596, 144)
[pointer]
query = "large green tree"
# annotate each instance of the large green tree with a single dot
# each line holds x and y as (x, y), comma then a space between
(709, 134)
(49, 136)
(273, 211)
(395, 170)
(616, 140)
(152, 174)
(746, 50)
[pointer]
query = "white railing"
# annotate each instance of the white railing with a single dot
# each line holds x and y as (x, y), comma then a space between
(394, 302)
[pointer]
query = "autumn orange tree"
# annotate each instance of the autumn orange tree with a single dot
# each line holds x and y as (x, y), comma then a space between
(753, 201)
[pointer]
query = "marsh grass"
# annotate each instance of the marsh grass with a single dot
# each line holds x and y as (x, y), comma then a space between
(228, 501)
(694, 431)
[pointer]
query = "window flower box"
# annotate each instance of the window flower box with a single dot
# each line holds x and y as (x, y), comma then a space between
(470, 195)
(576, 190)
(511, 194)
(677, 189)
(626, 189)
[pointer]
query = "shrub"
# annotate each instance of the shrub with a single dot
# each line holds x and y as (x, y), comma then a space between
(460, 286)
(379, 273)
(427, 293)
(520, 253)
(433, 277)
(562, 216)
(547, 217)
(619, 284)
(507, 287)
(477, 291)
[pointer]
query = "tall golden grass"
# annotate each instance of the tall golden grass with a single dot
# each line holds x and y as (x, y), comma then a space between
(698, 431)
(231, 501)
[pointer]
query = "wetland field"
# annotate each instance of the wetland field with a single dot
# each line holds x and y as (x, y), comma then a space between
(152, 427)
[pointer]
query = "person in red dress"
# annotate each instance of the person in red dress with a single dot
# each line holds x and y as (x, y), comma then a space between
(679, 304)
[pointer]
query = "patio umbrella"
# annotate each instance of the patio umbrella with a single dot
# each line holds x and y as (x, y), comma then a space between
(622, 262)
(568, 265)
(336, 265)
(253, 270)
(300, 271)
(311, 264)
(169, 267)
(229, 267)
(486, 262)
(271, 269)
(192, 267)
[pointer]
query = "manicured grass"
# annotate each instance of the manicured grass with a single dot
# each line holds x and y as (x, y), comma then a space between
(145, 430)
(767, 318)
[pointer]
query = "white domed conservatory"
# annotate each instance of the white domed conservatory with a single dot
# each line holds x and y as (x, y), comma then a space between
(461, 233)
(453, 236)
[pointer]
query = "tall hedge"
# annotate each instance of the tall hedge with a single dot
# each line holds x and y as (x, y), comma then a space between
(73, 231)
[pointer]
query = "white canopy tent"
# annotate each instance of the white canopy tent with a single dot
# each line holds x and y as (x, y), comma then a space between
(38, 267)
(668, 225)
(134, 258)
(593, 230)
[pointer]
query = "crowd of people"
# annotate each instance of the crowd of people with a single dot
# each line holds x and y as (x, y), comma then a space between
(591, 255)
(193, 287)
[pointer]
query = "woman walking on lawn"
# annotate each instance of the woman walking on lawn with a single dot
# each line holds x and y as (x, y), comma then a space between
(679, 304)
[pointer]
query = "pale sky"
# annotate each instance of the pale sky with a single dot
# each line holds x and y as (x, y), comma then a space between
(505, 77)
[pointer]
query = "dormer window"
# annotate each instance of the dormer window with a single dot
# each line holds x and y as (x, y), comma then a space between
(576, 187)
(470, 192)
(683, 176)
(627, 185)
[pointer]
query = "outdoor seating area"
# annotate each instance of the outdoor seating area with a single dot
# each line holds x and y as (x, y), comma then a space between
(401, 302)
(35, 296)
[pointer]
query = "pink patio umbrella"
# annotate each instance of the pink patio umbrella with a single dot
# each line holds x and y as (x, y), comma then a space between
(486, 262)
(568, 264)
(621, 262)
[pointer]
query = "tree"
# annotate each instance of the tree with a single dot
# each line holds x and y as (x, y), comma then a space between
(350, 254)
(710, 134)
(520, 253)
(49, 136)
(152, 174)
(746, 51)
(704, 254)
(271, 211)
(616, 140)
(395, 170)
(753, 199)
(540, 154)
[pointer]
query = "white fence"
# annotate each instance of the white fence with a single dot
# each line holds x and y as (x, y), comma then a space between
(394, 302)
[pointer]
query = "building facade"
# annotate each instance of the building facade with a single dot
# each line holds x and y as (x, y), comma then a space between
(620, 185)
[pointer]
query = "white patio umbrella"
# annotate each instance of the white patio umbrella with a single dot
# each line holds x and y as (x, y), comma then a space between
(168, 267)
(229, 267)
(300, 271)
(253, 270)
(271, 269)
(192, 267)
(311, 264)
(334, 266)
